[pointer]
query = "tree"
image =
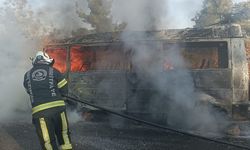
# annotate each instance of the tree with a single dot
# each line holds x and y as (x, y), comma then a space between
(100, 17)
(213, 12)
(224, 12)
(241, 15)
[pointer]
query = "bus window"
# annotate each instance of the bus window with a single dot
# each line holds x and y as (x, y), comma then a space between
(59, 55)
(84, 58)
(202, 58)
(81, 59)
(203, 55)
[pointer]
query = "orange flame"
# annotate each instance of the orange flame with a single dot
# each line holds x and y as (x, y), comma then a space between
(76, 59)
(80, 59)
(59, 55)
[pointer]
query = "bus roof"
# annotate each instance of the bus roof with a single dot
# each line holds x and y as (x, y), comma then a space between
(213, 32)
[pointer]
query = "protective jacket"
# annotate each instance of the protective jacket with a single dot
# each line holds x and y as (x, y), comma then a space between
(45, 85)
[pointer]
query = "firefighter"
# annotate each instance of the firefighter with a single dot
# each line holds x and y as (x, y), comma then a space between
(46, 85)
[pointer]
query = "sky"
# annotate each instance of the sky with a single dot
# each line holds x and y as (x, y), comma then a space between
(177, 11)
(237, 1)
(182, 11)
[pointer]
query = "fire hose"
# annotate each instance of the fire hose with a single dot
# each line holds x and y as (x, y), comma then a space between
(154, 124)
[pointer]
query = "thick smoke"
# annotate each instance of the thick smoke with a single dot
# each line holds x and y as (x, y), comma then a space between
(173, 100)
(25, 27)
(140, 14)
(175, 97)
(14, 47)
(160, 14)
(58, 17)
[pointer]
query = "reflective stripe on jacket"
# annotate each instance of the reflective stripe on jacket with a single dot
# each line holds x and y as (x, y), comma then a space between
(47, 106)
(45, 85)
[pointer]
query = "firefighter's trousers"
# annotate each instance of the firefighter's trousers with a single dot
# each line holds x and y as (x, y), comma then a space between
(50, 128)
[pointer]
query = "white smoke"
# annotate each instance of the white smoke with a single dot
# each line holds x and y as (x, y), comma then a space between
(74, 116)
(58, 17)
(140, 14)
(160, 14)
(14, 47)
(176, 96)
(25, 26)
(173, 100)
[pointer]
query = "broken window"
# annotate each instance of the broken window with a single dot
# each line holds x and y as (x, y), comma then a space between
(84, 58)
(59, 54)
(81, 58)
(203, 55)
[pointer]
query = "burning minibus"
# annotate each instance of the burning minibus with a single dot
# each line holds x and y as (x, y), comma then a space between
(119, 70)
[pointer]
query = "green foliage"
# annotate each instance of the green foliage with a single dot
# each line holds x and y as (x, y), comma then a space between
(213, 12)
(223, 12)
(241, 15)
(100, 17)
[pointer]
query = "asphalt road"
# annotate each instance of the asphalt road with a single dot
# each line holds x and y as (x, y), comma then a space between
(111, 134)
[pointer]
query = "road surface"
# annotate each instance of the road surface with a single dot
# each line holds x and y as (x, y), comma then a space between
(113, 134)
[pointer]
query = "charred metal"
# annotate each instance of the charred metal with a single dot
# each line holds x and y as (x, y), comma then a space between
(218, 59)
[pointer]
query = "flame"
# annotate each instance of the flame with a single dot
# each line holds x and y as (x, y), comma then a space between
(80, 59)
(59, 55)
(83, 59)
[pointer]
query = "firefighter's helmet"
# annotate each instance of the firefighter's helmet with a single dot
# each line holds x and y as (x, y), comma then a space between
(42, 58)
